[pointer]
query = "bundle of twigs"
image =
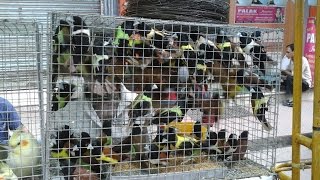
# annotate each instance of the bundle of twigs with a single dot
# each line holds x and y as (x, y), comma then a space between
(213, 11)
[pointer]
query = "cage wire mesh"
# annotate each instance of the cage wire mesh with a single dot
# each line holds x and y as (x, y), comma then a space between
(142, 98)
(21, 100)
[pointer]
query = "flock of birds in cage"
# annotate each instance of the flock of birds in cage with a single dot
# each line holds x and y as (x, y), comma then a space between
(168, 74)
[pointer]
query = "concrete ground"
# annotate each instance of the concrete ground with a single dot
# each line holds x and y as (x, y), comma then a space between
(285, 128)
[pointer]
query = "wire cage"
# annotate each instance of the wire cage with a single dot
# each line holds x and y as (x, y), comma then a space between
(141, 98)
(21, 100)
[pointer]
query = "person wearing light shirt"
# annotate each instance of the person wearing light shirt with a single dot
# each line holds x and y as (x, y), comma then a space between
(288, 73)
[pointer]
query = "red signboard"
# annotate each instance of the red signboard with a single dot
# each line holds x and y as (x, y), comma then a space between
(309, 44)
(259, 14)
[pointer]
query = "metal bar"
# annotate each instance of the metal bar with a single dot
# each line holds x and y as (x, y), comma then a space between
(50, 22)
(305, 141)
(288, 166)
(284, 169)
(102, 7)
(297, 88)
(279, 170)
(279, 167)
(316, 105)
(40, 86)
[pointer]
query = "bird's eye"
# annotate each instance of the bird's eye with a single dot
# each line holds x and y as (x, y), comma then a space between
(18, 143)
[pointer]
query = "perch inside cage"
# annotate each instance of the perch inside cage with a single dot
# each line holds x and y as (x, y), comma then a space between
(138, 97)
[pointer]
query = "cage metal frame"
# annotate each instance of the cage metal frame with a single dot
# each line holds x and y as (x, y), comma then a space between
(113, 19)
(32, 33)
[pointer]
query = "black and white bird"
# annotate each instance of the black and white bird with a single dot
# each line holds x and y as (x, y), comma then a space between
(81, 39)
(246, 42)
(210, 145)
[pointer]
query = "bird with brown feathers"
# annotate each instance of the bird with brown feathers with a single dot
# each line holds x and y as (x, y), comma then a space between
(211, 107)
(241, 148)
(221, 142)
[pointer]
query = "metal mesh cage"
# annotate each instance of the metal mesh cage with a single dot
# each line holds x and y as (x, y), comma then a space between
(21, 100)
(141, 98)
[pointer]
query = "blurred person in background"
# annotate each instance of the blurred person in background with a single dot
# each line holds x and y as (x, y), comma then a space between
(287, 75)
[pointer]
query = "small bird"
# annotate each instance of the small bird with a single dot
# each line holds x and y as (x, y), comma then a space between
(256, 36)
(62, 37)
(197, 130)
(224, 44)
(6, 172)
(123, 31)
(102, 52)
(168, 95)
(192, 129)
(141, 77)
(81, 39)
(201, 91)
(24, 156)
(63, 95)
(222, 140)
(141, 106)
(242, 147)
(260, 57)
(84, 144)
(155, 156)
(181, 144)
(159, 139)
(156, 38)
(105, 108)
(144, 54)
(65, 144)
(155, 151)
(181, 45)
(102, 45)
(205, 48)
(124, 39)
(201, 73)
(167, 115)
(259, 107)
(212, 109)
(61, 59)
(134, 141)
(85, 154)
(227, 77)
(210, 145)
(100, 73)
(247, 42)
(126, 98)
(106, 135)
(248, 79)
(230, 146)
(107, 155)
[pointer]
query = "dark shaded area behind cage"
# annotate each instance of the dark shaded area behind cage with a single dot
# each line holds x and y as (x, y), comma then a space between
(213, 11)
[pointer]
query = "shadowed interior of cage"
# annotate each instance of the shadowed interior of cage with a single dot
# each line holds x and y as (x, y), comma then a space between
(20, 107)
(133, 96)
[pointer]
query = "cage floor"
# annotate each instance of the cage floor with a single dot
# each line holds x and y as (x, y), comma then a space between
(208, 169)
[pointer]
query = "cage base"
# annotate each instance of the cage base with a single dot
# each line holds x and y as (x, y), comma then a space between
(243, 169)
(240, 170)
